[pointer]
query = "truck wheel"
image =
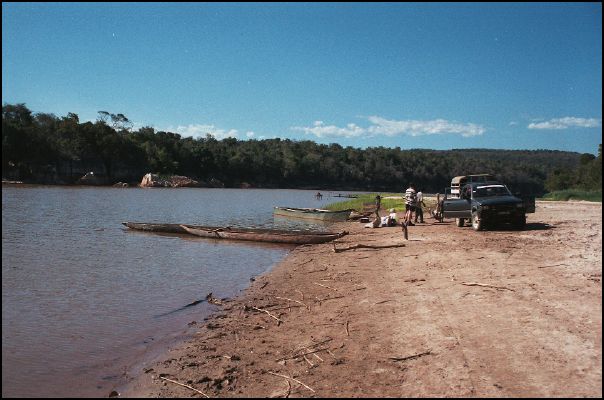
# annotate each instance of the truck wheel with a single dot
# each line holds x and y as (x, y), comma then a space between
(476, 221)
(459, 222)
(520, 222)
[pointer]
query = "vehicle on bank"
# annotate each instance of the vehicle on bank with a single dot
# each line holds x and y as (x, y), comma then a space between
(486, 203)
(459, 181)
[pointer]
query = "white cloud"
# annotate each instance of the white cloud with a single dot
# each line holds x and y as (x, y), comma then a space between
(319, 129)
(200, 131)
(420, 128)
(566, 123)
(382, 126)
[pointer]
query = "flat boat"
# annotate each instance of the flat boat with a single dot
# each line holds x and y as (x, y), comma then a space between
(312, 214)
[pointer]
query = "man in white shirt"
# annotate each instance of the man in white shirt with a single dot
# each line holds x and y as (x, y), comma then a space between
(410, 201)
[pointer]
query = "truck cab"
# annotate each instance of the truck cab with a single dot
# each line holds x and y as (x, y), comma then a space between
(459, 181)
(484, 203)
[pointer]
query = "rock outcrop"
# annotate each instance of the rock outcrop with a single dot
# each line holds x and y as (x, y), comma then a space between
(183, 181)
(153, 180)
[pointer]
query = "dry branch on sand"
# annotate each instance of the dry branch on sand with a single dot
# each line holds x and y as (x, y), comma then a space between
(264, 311)
(295, 301)
(486, 285)
(411, 357)
(187, 386)
(365, 246)
(293, 379)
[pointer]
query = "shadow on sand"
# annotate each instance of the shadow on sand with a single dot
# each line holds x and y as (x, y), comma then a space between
(530, 226)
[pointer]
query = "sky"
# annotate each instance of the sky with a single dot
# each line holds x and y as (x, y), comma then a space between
(520, 76)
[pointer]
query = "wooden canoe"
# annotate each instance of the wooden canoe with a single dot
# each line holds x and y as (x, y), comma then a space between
(155, 227)
(250, 234)
(263, 235)
(312, 214)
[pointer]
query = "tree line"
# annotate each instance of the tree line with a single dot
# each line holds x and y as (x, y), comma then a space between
(44, 148)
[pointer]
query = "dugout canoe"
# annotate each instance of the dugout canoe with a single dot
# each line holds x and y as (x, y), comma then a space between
(155, 227)
(316, 214)
(249, 234)
(262, 235)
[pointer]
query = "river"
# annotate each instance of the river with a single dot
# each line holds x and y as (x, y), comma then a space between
(84, 299)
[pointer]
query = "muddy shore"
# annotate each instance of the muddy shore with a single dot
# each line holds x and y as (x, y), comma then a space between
(448, 313)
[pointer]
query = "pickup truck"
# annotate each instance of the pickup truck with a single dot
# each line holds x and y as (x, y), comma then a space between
(485, 203)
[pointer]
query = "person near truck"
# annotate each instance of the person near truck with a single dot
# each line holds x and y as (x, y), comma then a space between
(419, 212)
(378, 205)
(410, 203)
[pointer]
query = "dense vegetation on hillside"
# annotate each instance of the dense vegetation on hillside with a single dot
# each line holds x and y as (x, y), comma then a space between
(43, 148)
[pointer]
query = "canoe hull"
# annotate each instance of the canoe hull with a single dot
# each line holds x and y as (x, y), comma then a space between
(249, 234)
(312, 214)
(154, 227)
(258, 235)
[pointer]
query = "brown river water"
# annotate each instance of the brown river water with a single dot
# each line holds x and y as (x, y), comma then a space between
(85, 300)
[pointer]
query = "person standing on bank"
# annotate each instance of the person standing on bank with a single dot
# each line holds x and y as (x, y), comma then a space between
(378, 205)
(410, 201)
(419, 212)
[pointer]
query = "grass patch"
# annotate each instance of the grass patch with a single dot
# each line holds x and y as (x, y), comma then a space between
(397, 202)
(574, 194)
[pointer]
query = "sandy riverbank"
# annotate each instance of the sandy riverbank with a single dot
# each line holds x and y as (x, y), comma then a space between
(453, 313)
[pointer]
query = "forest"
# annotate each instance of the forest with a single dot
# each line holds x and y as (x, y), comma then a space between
(44, 148)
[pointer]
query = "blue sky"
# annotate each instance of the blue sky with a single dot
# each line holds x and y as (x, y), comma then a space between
(412, 75)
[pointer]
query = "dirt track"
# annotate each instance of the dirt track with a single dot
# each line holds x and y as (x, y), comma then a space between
(453, 313)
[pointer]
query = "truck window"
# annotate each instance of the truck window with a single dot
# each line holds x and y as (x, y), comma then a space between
(491, 190)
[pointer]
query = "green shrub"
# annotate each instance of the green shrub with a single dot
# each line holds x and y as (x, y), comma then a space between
(574, 194)
(398, 203)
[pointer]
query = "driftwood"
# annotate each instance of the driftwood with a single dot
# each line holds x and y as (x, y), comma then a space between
(309, 351)
(293, 379)
(209, 298)
(187, 386)
(301, 355)
(295, 301)
(308, 361)
(365, 246)
(328, 298)
(555, 265)
(486, 285)
(264, 311)
(425, 353)
(289, 388)
(325, 286)
(287, 393)
(383, 301)
(287, 307)
(213, 300)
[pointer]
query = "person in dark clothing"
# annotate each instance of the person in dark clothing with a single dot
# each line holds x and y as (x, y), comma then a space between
(378, 205)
